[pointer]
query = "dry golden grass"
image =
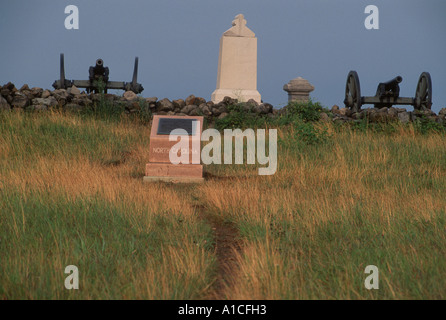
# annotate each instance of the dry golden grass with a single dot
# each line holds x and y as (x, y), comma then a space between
(364, 184)
(48, 177)
(308, 231)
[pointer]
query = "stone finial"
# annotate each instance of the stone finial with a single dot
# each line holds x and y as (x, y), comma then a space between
(298, 90)
(239, 28)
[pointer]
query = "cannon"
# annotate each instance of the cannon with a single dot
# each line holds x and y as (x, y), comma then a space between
(98, 79)
(387, 93)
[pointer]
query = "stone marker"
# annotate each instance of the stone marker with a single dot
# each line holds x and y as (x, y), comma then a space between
(160, 167)
(237, 64)
(298, 90)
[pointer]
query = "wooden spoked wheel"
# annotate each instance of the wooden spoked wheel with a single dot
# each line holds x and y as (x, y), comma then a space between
(423, 94)
(353, 92)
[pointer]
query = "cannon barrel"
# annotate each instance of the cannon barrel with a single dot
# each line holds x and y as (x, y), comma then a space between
(394, 82)
(99, 71)
(99, 68)
(390, 88)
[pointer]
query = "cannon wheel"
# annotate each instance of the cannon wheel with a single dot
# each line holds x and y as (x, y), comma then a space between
(353, 92)
(134, 84)
(423, 94)
(135, 73)
(62, 72)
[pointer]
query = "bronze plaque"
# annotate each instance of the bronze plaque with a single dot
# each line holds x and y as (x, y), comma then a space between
(167, 125)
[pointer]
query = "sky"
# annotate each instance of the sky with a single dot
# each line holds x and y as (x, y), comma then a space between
(177, 42)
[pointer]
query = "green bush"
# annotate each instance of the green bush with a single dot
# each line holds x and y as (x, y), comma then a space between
(306, 133)
(307, 112)
(424, 125)
(304, 111)
(239, 118)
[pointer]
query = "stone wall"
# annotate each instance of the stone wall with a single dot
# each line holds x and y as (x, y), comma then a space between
(73, 99)
(339, 115)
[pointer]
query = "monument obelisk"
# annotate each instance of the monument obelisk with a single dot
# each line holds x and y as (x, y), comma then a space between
(237, 64)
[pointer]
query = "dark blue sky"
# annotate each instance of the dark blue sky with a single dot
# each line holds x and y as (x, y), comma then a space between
(177, 42)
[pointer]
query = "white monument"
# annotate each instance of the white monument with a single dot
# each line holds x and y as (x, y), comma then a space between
(237, 64)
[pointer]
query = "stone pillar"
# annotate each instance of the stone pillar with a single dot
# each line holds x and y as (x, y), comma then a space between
(298, 90)
(237, 64)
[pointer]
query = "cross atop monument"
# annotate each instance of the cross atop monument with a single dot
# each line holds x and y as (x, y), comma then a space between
(239, 28)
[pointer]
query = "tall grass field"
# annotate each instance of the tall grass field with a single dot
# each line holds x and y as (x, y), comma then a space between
(343, 198)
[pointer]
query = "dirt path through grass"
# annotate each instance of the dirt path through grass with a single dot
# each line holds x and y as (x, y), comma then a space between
(227, 244)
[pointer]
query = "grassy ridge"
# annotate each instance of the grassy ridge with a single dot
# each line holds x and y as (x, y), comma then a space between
(71, 192)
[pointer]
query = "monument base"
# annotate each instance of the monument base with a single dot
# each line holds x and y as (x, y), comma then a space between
(181, 173)
(242, 95)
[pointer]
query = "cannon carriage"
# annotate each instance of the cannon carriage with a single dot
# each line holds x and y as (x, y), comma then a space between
(98, 79)
(387, 93)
